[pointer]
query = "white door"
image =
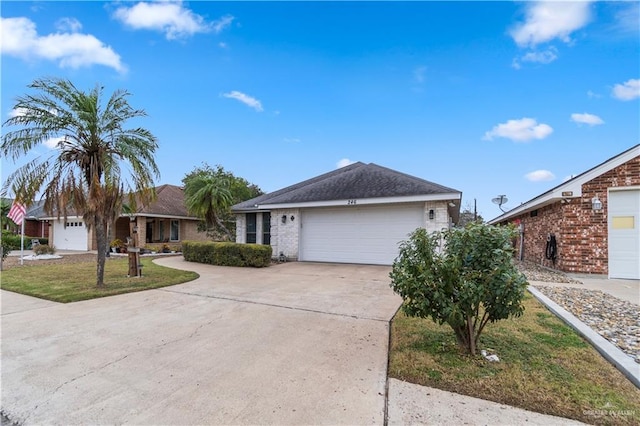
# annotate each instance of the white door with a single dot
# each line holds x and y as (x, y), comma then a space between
(73, 237)
(357, 234)
(624, 234)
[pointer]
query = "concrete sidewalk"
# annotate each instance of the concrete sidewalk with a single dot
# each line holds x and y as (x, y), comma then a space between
(628, 290)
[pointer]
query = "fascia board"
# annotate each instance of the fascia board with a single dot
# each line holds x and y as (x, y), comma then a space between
(364, 201)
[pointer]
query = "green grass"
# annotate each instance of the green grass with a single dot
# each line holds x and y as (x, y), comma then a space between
(74, 282)
(544, 367)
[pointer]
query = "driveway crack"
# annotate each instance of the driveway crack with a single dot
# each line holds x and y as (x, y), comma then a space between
(88, 373)
(274, 305)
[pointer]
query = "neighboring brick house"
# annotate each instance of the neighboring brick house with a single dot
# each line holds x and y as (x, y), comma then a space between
(165, 220)
(34, 227)
(356, 214)
(594, 217)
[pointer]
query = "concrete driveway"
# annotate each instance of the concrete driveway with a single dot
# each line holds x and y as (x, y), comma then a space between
(296, 343)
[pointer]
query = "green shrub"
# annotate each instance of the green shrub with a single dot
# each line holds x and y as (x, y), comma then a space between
(43, 249)
(227, 253)
(12, 241)
(5, 248)
(466, 283)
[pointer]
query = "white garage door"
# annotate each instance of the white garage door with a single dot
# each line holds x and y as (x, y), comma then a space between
(73, 237)
(364, 234)
(624, 234)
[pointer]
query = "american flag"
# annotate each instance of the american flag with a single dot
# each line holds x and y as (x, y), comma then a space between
(17, 212)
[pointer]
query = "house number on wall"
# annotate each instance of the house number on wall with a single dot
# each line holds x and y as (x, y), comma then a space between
(351, 202)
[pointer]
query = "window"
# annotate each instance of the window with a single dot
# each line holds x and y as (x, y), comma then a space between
(251, 228)
(175, 230)
(266, 229)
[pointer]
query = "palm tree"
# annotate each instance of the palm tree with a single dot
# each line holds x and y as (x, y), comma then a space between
(96, 161)
(208, 197)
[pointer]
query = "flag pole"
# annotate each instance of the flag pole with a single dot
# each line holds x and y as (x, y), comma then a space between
(22, 243)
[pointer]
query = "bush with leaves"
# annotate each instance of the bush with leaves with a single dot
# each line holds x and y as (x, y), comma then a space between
(462, 277)
(44, 249)
(6, 247)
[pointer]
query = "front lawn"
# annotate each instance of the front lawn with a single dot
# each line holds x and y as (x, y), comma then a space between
(544, 367)
(71, 282)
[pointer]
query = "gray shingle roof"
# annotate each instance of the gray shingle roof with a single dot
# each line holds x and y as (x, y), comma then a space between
(356, 181)
(169, 202)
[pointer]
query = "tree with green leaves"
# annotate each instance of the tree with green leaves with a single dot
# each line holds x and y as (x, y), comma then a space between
(468, 215)
(5, 222)
(209, 195)
(464, 277)
(96, 161)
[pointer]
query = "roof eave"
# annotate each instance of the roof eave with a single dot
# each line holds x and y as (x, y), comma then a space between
(360, 201)
(571, 188)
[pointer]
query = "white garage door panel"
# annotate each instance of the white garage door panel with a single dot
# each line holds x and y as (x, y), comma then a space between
(73, 237)
(624, 234)
(357, 234)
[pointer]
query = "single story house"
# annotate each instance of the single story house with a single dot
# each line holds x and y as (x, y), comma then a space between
(165, 220)
(33, 226)
(356, 214)
(593, 219)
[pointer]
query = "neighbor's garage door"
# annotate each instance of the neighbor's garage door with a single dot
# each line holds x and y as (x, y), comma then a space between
(357, 234)
(624, 234)
(73, 237)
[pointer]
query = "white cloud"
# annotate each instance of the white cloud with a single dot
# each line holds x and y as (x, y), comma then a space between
(343, 163)
(73, 50)
(53, 142)
(522, 130)
(17, 112)
(170, 17)
(627, 91)
(628, 17)
(419, 74)
(540, 176)
(71, 25)
(590, 119)
(541, 57)
(222, 23)
(245, 99)
(549, 20)
(593, 95)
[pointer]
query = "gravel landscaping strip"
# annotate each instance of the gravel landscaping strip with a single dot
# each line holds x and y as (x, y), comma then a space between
(616, 320)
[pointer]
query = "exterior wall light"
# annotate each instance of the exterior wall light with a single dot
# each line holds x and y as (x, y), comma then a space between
(596, 204)
(284, 218)
(431, 214)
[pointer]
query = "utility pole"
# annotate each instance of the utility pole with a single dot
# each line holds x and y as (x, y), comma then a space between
(475, 211)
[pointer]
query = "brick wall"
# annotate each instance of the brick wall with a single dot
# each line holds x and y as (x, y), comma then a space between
(189, 231)
(285, 236)
(36, 228)
(581, 232)
(440, 219)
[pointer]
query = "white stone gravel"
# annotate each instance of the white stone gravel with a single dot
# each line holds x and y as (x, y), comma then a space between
(616, 320)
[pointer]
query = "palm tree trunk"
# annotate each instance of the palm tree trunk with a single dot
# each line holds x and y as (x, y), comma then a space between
(101, 241)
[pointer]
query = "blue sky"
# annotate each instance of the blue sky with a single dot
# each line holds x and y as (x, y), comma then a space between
(488, 98)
